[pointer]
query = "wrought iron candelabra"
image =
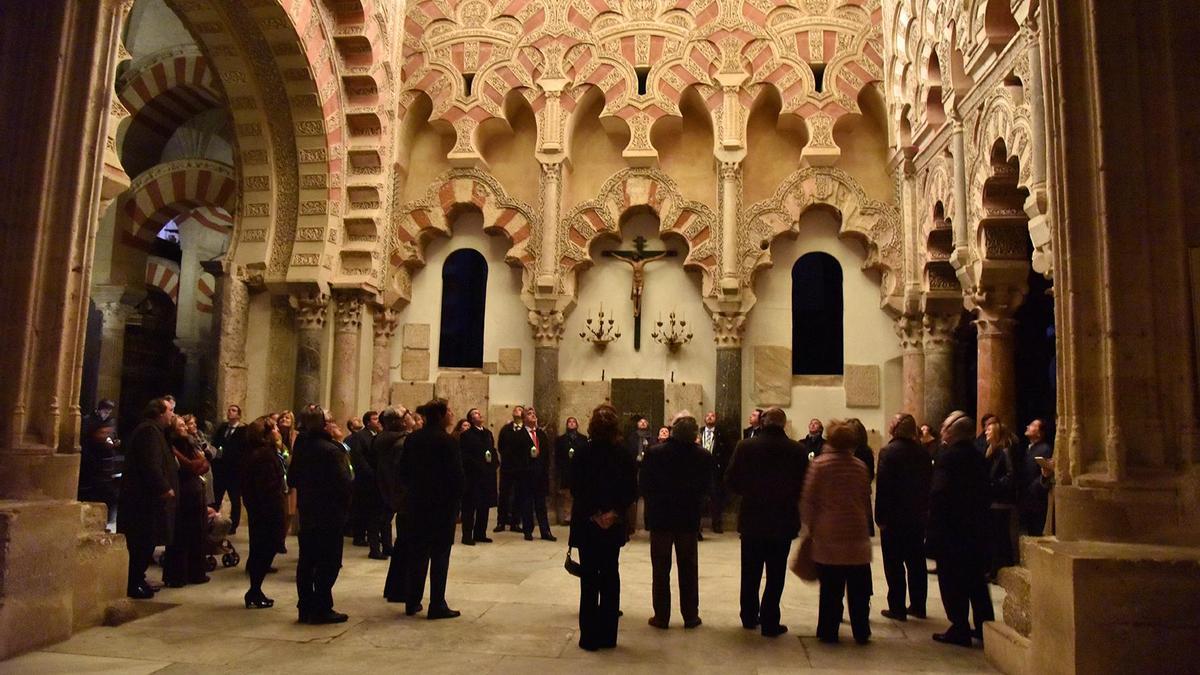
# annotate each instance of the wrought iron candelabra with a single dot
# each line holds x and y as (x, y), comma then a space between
(674, 335)
(600, 331)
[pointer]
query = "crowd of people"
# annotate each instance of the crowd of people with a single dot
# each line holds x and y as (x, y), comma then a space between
(402, 483)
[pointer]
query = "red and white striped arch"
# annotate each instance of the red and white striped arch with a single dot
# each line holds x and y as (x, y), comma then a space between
(206, 286)
(168, 88)
(172, 189)
(163, 274)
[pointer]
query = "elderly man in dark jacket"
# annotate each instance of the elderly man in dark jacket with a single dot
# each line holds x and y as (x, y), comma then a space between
(432, 471)
(901, 511)
(674, 481)
(366, 507)
(150, 481)
(957, 534)
(768, 471)
(480, 462)
(321, 475)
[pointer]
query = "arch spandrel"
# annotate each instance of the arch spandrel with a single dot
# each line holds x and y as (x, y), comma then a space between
(874, 224)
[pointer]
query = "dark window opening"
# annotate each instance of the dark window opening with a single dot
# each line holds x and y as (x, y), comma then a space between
(817, 304)
(464, 294)
(643, 78)
(468, 82)
(819, 76)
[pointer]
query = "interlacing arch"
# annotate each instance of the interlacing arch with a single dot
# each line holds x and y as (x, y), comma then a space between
(631, 189)
(875, 224)
(1000, 120)
(172, 189)
(415, 223)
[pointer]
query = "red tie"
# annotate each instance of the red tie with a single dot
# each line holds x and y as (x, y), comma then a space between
(533, 434)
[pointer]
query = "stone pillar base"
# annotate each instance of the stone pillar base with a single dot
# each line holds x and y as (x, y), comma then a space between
(59, 571)
(39, 475)
(1105, 608)
(1162, 510)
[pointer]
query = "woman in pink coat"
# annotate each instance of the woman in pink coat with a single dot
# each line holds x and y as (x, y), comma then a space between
(835, 507)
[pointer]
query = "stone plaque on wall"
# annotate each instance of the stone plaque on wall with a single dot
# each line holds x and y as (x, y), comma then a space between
(411, 394)
(772, 376)
(416, 336)
(862, 386)
(577, 399)
(414, 365)
(464, 391)
(508, 361)
(683, 396)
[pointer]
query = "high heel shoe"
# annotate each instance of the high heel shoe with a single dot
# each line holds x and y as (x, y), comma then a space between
(258, 601)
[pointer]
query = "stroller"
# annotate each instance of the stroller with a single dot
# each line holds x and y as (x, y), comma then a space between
(217, 542)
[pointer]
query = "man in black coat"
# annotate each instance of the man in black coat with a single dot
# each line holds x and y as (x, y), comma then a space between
(321, 475)
(432, 470)
(566, 446)
(532, 477)
(957, 535)
(227, 465)
(366, 506)
(479, 469)
(815, 440)
(755, 424)
(721, 451)
(1033, 485)
(902, 511)
(511, 460)
(768, 472)
(378, 510)
(674, 480)
(150, 481)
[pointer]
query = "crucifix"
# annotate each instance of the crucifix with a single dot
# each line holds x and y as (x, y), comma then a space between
(637, 259)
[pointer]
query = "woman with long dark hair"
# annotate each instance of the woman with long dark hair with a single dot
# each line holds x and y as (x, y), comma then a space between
(603, 487)
(264, 492)
(183, 560)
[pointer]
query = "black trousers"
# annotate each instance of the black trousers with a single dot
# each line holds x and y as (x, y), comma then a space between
(183, 559)
(431, 557)
(317, 570)
(474, 519)
(853, 581)
(717, 504)
(599, 595)
(395, 587)
(264, 544)
(964, 587)
(379, 531)
(141, 554)
(1003, 522)
(226, 481)
(757, 554)
(531, 500)
(505, 517)
(662, 542)
(904, 568)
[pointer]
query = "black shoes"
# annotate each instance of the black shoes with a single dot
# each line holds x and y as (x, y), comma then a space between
(257, 600)
(894, 616)
(140, 592)
(468, 542)
(661, 624)
(359, 542)
(328, 617)
(692, 623)
(774, 631)
(549, 537)
(951, 638)
(436, 613)
(528, 536)
(498, 528)
(377, 555)
(413, 610)
(916, 613)
(483, 540)
(750, 625)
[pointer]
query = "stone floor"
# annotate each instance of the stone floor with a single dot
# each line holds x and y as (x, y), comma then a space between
(519, 616)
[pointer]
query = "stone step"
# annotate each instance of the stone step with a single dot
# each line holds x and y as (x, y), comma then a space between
(1018, 611)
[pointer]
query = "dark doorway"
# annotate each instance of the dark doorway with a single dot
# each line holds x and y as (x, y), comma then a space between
(90, 379)
(817, 325)
(464, 297)
(633, 398)
(1034, 354)
(966, 364)
(152, 365)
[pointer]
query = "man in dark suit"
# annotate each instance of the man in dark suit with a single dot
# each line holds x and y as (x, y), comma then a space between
(755, 424)
(226, 466)
(566, 446)
(532, 476)
(815, 440)
(366, 505)
(958, 517)
(511, 444)
(901, 511)
(768, 472)
(1034, 484)
(674, 479)
(432, 470)
(150, 481)
(479, 468)
(721, 451)
(321, 475)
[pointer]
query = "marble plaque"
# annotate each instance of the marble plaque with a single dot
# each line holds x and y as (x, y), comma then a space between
(464, 391)
(862, 386)
(687, 396)
(577, 399)
(490, 368)
(414, 365)
(772, 376)
(508, 361)
(416, 336)
(411, 394)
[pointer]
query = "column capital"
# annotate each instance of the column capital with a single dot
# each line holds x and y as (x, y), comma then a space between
(548, 327)
(938, 330)
(386, 322)
(996, 302)
(728, 328)
(729, 170)
(310, 309)
(348, 311)
(911, 332)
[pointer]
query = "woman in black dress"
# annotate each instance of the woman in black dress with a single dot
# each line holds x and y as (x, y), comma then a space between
(603, 487)
(264, 492)
(183, 560)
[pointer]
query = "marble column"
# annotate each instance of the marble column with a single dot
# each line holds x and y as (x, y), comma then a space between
(937, 342)
(547, 335)
(385, 324)
(730, 198)
(343, 372)
(191, 399)
(727, 333)
(912, 352)
(232, 306)
(311, 311)
(115, 310)
(958, 153)
(548, 242)
(997, 391)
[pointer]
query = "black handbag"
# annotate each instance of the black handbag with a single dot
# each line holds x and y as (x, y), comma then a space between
(572, 566)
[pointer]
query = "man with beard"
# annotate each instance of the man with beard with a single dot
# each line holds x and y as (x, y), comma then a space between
(479, 467)
(150, 481)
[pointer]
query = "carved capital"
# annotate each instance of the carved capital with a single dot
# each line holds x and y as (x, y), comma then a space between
(348, 312)
(728, 328)
(911, 333)
(995, 327)
(996, 302)
(552, 171)
(547, 327)
(386, 321)
(938, 330)
(730, 170)
(310, 310)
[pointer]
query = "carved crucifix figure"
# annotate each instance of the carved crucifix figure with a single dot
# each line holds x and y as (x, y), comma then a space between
(637, 259)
